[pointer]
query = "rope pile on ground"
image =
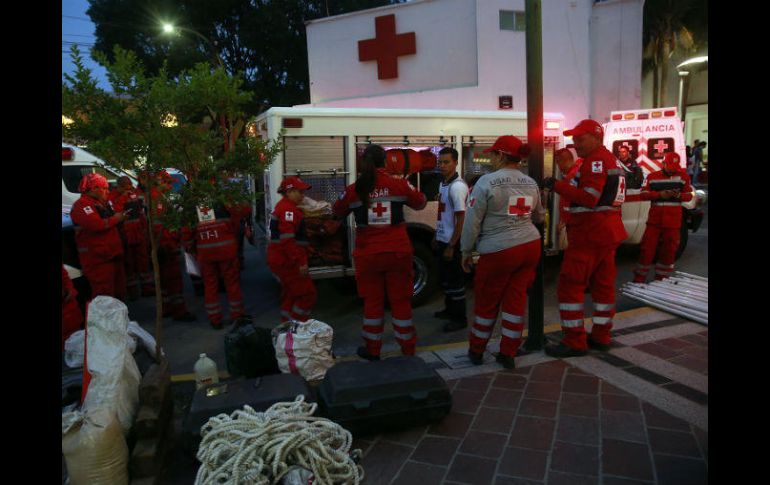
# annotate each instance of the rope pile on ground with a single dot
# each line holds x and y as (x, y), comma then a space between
(260, 447)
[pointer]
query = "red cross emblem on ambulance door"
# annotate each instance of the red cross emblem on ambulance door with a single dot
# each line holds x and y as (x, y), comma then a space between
(660, 146)
(380, 209)
(520, 208)
(386, 47)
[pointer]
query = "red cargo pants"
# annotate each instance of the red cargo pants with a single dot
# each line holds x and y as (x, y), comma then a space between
(502, 279)
(587, 267)
(298, 294)
(668, 238)
(376, 275)
(210, 272)
(107, 278)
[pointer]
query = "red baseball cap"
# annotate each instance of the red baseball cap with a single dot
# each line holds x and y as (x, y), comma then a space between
(510, 145)
(292, 183)
(586, 126)
(92, 181)
(671, 161)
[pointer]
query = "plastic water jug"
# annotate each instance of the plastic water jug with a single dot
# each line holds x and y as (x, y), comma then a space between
(205, 372)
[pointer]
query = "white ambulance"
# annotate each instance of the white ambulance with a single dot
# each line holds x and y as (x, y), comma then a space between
(77, 162)
(649, 134)
(323, 145)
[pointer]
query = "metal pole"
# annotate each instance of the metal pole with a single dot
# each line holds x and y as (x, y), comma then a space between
(684, 87)
(534, 49)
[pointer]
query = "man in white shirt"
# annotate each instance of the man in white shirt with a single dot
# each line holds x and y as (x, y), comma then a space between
(453, 194)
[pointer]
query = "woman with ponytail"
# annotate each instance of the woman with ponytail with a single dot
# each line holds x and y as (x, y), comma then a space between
(499, 224)
(383, 252)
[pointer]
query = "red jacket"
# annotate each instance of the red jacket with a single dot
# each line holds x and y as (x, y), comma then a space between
(570, 178)
(595, 219)
(380, 228)
(135, 226)
(96, 232)
(288, 238)
(217, 239)
(666, 213)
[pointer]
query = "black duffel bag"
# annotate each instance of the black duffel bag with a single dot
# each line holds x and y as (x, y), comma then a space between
(249, 351)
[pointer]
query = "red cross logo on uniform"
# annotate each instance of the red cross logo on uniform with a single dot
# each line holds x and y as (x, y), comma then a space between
(520, 207)
(380, 209)
(386, 47)
(205, 210)
(660, 146)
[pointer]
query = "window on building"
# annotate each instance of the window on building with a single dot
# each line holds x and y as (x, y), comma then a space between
(512, 20)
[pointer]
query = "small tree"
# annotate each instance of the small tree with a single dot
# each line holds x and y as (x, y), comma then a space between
(149, 123)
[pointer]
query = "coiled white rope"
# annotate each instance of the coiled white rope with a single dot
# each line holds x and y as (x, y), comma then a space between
(260, 447)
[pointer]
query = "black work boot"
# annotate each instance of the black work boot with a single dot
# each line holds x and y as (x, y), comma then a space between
(441, 314)
(506, 360)
(364, 354)
(561, 351)
(593, 344)
(476, 358)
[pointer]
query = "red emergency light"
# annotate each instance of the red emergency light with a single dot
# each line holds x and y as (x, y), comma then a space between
(67, 154)
(292, 123)
(617, 117)
(668, 113)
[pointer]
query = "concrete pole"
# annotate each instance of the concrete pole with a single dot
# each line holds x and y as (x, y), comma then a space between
(534, 49)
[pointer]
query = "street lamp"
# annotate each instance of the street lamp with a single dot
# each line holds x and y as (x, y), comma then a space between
(684, 70)
(171, 29)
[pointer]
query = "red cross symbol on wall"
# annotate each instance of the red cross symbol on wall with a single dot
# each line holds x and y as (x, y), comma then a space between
(521, 207)
(660, 146)
(380, 209)
(386, 47)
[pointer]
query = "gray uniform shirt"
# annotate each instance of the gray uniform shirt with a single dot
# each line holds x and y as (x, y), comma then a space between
(500, 214)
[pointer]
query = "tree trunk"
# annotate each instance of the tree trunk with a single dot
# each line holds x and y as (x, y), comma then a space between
(156, 274)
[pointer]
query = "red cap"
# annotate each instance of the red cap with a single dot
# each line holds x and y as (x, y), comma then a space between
(92, 181)
(586, 126)
(292, 183)
(510, 145)
(671, 162)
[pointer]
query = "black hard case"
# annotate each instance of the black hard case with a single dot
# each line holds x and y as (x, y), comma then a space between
(259, 393)
(371, 397)
(249, 351)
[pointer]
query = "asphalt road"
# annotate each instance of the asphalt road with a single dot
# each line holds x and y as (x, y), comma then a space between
(339, 306)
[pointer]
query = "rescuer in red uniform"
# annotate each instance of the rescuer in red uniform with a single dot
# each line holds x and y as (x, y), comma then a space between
(383, 252)
(217, 250)
(100, 248)
(169, 255)
(666, 189)
(499, 223)
(594, 229)
(134, 228)
(287, 253)
(71, 316)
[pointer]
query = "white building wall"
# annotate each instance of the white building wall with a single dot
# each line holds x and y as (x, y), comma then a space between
(569, 81)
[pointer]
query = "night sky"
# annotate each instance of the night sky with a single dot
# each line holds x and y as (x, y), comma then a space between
(77, 28)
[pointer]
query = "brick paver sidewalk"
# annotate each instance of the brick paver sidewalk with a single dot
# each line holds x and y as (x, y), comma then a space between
(550, 423)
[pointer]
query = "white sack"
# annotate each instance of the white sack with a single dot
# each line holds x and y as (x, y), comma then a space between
(304, 348)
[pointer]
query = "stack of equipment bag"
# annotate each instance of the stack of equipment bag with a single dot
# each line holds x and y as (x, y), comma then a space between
(249, 351)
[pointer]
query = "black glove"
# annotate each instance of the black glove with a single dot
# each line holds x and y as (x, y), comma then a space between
(548, 183)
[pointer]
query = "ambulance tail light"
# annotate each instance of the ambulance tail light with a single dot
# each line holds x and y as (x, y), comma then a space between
(292, 123)
(643, 116)
(669, 113)
(657, 114)
(67, 154)
(551, 125)
(617, 117)
(629, 116)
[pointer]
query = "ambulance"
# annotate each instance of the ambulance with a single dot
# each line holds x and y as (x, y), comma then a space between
(649, 134)
(75, 164)
(324, 145)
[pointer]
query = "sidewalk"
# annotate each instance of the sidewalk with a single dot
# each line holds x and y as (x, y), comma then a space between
(635, 415)
(638, 414)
